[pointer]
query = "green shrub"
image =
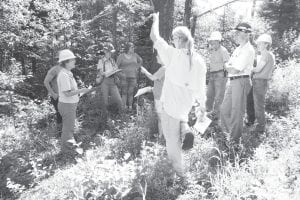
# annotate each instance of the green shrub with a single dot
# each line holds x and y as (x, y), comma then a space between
(130, 142)
(283, 89)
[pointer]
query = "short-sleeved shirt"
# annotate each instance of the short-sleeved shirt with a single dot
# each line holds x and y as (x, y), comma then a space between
(242, 59)
(106, 66)
(129, 65)
(217, 59)
(158, 82)
(52, 76)
(66, 82)
(184, 81)
(267, 70)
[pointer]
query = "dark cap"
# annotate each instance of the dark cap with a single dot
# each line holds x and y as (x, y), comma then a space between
(109, 47)
(243, 27)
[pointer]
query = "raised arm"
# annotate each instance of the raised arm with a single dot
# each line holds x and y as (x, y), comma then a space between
(154, 34)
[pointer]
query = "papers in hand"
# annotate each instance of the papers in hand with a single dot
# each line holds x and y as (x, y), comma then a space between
(201, 126)
(143, 91)
(109, 73)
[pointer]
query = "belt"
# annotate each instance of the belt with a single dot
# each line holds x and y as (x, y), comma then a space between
(237, 77)
(217, 71)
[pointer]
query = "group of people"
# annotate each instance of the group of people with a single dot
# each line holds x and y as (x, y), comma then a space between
(179, 84)
(111, 75)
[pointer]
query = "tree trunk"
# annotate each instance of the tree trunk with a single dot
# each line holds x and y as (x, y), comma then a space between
(33, 65)
(166, 17)
(114, 25)
(253, 8)
(188, 13)
(194, 24)
(24, 72)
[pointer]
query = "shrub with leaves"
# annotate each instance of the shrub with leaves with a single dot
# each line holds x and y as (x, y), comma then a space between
(283, 89)
(130, 143)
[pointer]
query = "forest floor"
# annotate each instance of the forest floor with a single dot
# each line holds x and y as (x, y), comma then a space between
(125, 160)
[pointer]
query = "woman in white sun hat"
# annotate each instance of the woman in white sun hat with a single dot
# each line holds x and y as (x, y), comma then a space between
(68, 97)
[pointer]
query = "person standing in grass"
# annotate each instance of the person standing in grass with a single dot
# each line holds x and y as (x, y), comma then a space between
(184, 85)
(68, 97)
(217, 75)
(50, 83)
(261, 75)
(158, 79)
(107, 70)
(129, 62)
(239, 69)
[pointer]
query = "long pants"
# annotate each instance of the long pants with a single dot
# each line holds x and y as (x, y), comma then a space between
(215, 92)
(171, 132)
(54, 102)
(159, 110)
(260, 87)
(110, 91)
(68, 113)
(233, 107)
(250, 107)
(128, 85)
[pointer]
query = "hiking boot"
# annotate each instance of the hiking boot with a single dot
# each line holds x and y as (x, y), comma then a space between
(188, 141)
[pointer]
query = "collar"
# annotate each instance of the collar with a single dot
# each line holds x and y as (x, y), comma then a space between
(67, 71)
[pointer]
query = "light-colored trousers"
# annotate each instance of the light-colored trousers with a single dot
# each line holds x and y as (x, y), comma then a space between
(171, 132)
(68, 114)
(260, 87)
(233, 107)
(215, 92)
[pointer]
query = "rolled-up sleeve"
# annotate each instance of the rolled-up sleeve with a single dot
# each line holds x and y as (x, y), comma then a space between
(165, 51)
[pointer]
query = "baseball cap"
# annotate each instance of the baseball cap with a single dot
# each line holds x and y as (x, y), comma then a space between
(243, 27)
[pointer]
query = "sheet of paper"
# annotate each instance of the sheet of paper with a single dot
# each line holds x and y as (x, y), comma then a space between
(108, 74)
(202, 126)
(143, 91)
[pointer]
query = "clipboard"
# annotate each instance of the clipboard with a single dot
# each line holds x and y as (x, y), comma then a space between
(201, 126)
(112, 72)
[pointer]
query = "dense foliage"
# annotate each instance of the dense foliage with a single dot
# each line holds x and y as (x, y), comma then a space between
(121, 157)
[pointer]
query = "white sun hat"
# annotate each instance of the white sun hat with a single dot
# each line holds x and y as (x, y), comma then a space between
(216, 35)
(65, 54)
(264, 38)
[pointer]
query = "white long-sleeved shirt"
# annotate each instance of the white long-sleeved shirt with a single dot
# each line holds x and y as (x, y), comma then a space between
(183, 84)
(242, 59)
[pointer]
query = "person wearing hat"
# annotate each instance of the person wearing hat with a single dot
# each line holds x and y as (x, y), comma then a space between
(107, 70)
(50, 83)
(217, 74)
(68, 97)
(261, 75)
(239, 67)
(129, 62)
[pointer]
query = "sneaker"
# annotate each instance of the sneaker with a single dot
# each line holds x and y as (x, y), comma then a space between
(188, 141)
